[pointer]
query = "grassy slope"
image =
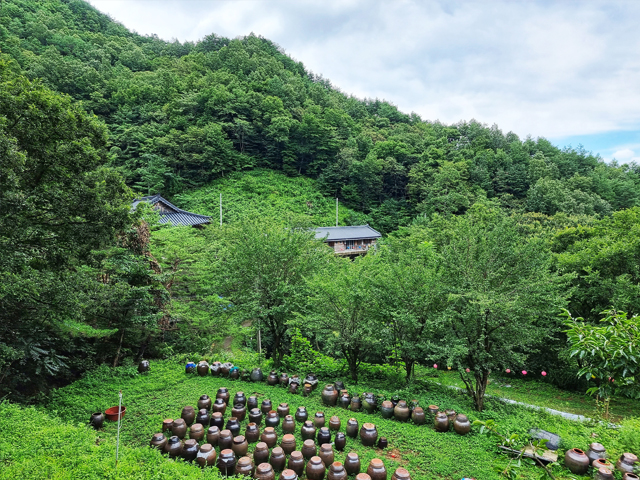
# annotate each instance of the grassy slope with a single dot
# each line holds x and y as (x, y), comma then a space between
(427, 454)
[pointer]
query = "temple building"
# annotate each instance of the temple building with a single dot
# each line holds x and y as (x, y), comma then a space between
(354, 240)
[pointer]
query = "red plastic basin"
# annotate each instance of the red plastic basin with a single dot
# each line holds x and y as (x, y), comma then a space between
(113, 414)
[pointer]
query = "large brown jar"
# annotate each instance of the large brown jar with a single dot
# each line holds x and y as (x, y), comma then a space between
(196, 432)
(167, 424)
(596, 451)
(461, 424)
(433, 409)
(441, 422)
(345, 400)
(368, 434)
(173, 447)
(261, 453)
(602, 462)
(219, 406)
(272, 419)
(336, 471)
(264, 471)
(284, 379)
(369, 402)
(158, 441)
(217, 420)
(213, 434)
(334, 423)
(288, 474)
(244, 467)
(308, 449)
(226, 462)
(223, 394)
(143, 366)
(576, 461)
(214, 368)
(204, 402)
(225, 439)
(252, 433)
(206, 455)
(329, 396)
(418, 416)
(240, 446)
(255, 416)
(626, 462)
(356, 404)
(318, 419)
(296, 462)
(326, 453)
(324, 436)
(301, 415)
(401, 474)
(239, 411)
(252, 402)
(233, 425)
(278, 459)
(203, 417)
(288, 424)
(269, 437)
(256, 375)
(340, 441)
(188, 414)
(288, 443)
(203, 368)
(376, 470)
(293, 388)
(190, 449)
(283, 410)
(225, 368)
(308, 430)
(240, 398)
(179, 428)
(401, 411)
(272, 379)
(386, 409)
(315, 469)
(352, 463)
(265, 406)
(352, 427)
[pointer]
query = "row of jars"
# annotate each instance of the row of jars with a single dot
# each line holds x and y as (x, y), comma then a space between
(578, 461)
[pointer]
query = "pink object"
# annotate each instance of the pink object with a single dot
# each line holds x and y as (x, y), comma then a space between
(508, 370)
(524, 372)
(467, 370)
(435, 365)
(544, 374)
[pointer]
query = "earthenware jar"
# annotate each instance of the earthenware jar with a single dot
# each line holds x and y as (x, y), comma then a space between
(240, 398)
(383, 443)
(308, 430)
(234, 426)
(143, 366)
(256, 375)
(264, 471)
(188, 414)
(352, 427)
(602, 462)
(329, 395)
(576, 461)
(252, 433)
(214, 368)
(368, 434)
(386, 409)
(340, 441)
(179, 428)
(252, 402)
(288, 424)
(202, 368)
(441, 422)
(234, 373)
(324, 436)
(318, 419)
(283, 380)
(217, 420)
(312, 380)
(190, 448)
(433, 410)
(288, 474)
(356, 404)
(244, 467)
(401, 474)
(196, 432)
(301, 415)
(401, 411)
(206, 455)
(97, 420)
(272, 379)
(223, 393)
(451, 415)
(315, 469)
(240, 446)
(272, 419)
(283, 410)
(369, 403)
(630, 476)
(345, 400)
(219, 406)
(626, 462)
(239, 411)
(255, 416)
(261, 453)
(603, 473)
(363, 476)
(203, 417)
(173, 447)
(226, 462)
(213, 434)
(461, 424)
(265, 406)
(376, 470)
(167, 423)
(293, 388)
(326, 453)
(269, 437)
(296, 462)
(352, 464)
(308, 449)
(306, 389)
(336, 471)
(334, 423)
(596, 451)
(278, 459)
(158, 441)
(190, 367)
(418, 416)
(225, 439)
(288, 443)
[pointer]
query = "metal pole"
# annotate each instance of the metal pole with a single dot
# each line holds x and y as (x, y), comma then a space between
(119, 422)
(336, 211)
(221, 209)
(259, 342)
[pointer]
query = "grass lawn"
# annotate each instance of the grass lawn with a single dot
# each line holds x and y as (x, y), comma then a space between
(66, 443)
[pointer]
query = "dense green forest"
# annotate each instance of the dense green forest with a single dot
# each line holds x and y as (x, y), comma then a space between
(481, 226)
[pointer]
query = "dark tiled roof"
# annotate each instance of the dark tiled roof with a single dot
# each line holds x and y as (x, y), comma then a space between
(356, 232)
(172, 214)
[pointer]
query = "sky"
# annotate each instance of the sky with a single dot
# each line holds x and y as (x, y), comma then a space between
(565, 70)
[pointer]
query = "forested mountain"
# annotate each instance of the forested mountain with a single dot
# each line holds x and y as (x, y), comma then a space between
(182, 114)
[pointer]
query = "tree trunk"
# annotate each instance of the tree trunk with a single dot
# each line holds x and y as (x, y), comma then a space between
(408, 365)
(480, 389)
(115, 360)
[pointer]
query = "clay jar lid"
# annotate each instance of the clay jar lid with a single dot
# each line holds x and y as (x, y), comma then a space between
(462, 418)
(206, 448)
(239, 440)
(596, 447)
(402, 474)
(363, 476)
(264, 470)
(315, 460)
(296, 455)
(288, 474)
(377, 463)
(337, 467)
(261, 446)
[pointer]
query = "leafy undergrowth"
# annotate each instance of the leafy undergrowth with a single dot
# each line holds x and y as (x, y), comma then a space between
(544, 394)
(163, 392)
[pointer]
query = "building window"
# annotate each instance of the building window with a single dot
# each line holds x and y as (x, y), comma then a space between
(351, 244)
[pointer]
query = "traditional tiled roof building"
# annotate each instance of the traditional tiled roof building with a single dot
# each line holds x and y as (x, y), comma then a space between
(171, 214)
(352, 240)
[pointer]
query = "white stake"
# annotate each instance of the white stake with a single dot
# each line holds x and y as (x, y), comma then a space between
(119, 421)
(221, 209)
(336, 211)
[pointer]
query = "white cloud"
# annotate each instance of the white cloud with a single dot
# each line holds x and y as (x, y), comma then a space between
(543, 68)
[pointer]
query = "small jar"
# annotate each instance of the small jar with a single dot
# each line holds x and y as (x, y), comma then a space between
(308, 430)
(324, 436)
(315, 469)
(340, 441)
(179, 428)
(296, 462)
(188, 415)
(336, 471)
(401, 411)
(326, 453)
(283, 410)
(239, 411)
(376, 470)
(265, 406)
(264, 471)
(244, 467)
(173, 447)
(352, 427)
(272, 419)
(225, 439)
(278, 459)
(626, 462)
(352, 464)
(461, 424)
(318, 419)
(223, 393)
(269, 437)
(418, 416)
(288, 443)
(252, 402)
(196, 432)
(190, 448)
(288, 474)
(255, 416)
(272, 379)
(204, 402)
(252, 433)
(284, 380)
(203, 417)
(356, 404)
(261, 453)
(240, 446)
(401, 474)
(441, 422)
(233, 425)
(219, 406)
(576, 461)
(217, 420)
(334, 423)
(206, 455)
(386, 409)
(368, 434)
(596, 451)
(308, 449)
(301, 415)
(167, 424)
(213, 434)
(158, 441)
(288, 424)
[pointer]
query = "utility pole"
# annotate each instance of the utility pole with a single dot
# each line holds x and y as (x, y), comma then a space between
(336, 211)
(220, 209)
